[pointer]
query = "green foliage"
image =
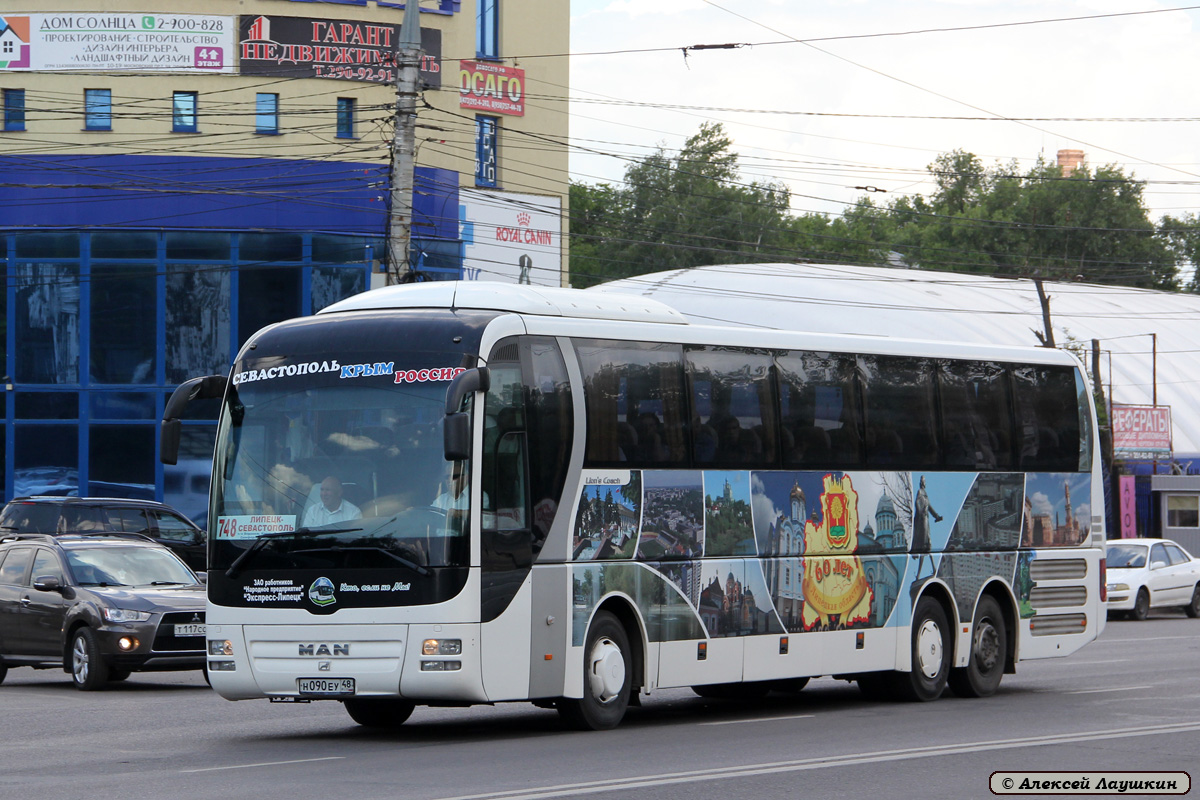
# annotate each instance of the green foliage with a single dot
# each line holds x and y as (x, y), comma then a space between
(676, 212)
(692, 209)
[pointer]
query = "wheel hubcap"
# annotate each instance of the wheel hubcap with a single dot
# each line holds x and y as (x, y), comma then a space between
(79, 660)
(987, 645)
(929, 649)
(606, 675)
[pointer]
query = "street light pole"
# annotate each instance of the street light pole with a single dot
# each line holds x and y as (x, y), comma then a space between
(400, 208)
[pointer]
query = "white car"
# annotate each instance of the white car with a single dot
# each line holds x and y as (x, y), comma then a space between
(1151, 573)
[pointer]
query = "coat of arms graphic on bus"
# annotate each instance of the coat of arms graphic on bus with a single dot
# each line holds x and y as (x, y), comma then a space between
(834, 584)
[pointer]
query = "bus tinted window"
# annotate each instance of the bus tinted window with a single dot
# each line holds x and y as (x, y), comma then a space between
(635, 403)
(900, 415)
(819, 418)
(975, 415)
(733, 420)
(1047, 419)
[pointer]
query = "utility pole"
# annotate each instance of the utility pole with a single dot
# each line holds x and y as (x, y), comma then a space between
(400, 208)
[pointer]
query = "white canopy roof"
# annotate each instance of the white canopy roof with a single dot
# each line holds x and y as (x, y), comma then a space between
(941, 306)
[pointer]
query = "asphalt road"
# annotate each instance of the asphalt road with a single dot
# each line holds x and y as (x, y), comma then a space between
(1130, 701)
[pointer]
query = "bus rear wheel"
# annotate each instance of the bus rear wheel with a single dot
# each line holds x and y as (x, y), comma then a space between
(931, 654)
(379, 712)
(989, 652)
(607, 678)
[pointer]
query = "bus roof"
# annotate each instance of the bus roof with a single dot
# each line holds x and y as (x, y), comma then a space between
(519, 299)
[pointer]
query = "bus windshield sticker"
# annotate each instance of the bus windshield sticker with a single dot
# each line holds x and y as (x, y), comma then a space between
(251, 526)
(288, 370)
(424, 375)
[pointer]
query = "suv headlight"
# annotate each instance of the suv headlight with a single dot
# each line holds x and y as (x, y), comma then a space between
(124, 615)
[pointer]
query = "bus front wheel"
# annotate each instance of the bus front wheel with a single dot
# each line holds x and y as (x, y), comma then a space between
(989, 651)
(931, 654)
(607, 678)
(379, 712)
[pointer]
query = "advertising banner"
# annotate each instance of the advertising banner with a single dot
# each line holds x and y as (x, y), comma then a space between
(303, 47)
(491, 88)
(1141, 432)
(512, 238)
(116, 42)
(1128, 505)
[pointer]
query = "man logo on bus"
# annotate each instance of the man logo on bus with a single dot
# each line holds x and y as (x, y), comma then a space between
(321, 592)
(836, 594)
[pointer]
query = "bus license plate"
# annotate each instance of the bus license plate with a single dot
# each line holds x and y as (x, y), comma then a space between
(327, 687)
(190, 630)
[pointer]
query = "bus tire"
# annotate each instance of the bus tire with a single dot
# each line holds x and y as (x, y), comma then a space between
(607, 678)
(379, 712)
(989, 653)
(931, 654)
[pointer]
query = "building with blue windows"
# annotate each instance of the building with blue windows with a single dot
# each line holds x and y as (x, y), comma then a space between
(221, 166)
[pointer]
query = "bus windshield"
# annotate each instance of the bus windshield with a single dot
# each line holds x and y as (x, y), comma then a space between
(338, 466)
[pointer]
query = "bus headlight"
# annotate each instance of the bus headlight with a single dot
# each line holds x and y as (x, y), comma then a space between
(441, 647)
(440, 666)
(220, 647)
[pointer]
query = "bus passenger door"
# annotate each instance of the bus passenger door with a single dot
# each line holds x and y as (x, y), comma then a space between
(506, 541)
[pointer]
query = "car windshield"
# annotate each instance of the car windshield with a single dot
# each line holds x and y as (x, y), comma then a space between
(127, 566)
(349, 459)
(1126, 556)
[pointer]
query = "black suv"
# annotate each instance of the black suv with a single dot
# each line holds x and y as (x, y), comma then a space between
(59, 515)
(98, 606)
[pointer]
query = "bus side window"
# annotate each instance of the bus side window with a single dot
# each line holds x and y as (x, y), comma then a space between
(635, 403)
(818, 411)
(900, 416)
(975, 415)
(733, 407)
(1047, 418)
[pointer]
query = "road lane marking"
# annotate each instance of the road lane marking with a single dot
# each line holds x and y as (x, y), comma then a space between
(1106, 640)
(1118, 689)
(759, 719)
(266, 764)
(824, 762)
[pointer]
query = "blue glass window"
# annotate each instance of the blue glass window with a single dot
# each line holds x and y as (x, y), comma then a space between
(183, 112)
(266, 113)
(345, 118)
(487, 29)
(485, 151)
(97, 109)
(14, 109)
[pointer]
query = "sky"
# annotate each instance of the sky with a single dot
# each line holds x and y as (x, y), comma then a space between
(788, 107)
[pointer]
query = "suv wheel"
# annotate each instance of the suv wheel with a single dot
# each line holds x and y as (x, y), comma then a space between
(3, 670)
(89, 671)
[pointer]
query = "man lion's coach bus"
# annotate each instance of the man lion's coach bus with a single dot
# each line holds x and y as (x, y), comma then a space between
(452, 493)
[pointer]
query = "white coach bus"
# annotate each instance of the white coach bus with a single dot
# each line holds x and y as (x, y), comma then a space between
(462, 493)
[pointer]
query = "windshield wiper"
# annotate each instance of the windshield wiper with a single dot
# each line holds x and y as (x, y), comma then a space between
(261, 542)
(414, 566)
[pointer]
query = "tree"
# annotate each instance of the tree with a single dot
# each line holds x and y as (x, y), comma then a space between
(692, 209)
(677, 212)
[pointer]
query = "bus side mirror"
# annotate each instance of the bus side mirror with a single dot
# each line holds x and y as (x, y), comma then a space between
(206, 388)
(456, 427)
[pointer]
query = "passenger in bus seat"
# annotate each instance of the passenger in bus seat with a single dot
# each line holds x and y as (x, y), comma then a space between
(650, 429)
(627, 442)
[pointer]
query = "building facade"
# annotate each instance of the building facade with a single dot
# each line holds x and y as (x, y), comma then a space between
(176, 175)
